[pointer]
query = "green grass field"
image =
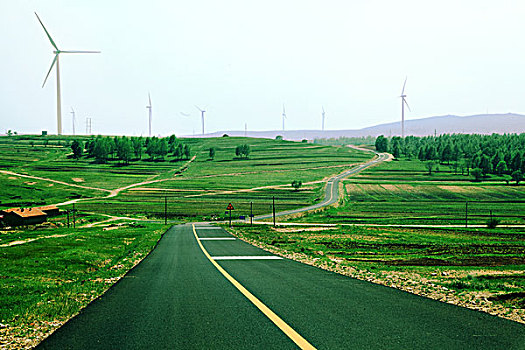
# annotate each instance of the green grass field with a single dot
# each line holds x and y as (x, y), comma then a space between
(402, 192)
(201, 191)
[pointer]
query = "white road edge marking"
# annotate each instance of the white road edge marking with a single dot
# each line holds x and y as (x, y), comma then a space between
(261, 257)
(216, 239)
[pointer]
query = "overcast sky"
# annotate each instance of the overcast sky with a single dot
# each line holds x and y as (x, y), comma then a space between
(242, 60)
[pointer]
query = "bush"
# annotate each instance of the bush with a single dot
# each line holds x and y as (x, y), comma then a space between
(493, 222)
(297, 184)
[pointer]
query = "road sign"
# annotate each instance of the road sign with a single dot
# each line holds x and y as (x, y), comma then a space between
(230, 207)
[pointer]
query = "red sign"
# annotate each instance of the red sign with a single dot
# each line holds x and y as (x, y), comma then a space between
(230, 207)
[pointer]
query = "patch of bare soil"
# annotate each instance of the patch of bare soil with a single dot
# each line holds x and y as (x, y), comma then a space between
(77, 179)
(302, 229)
(430, 287)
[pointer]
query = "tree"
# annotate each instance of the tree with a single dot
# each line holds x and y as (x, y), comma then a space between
(179, 151)
(381, 144)
(430, 166)
(517, 176)
(162, 150)
(296, 184)
(485, 165)
(242, 151)
(102, 149)
(279, 137)
(137, 146)
(477, 173)
(187, 152)
(515, 164)
(77, 148)
(124, 149)
(446, 153)
(396, 151)
(212, 152)
(421, 154)
(152, 147)
(501, 167)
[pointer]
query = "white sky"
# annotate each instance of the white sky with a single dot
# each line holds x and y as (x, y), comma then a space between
(243, 59)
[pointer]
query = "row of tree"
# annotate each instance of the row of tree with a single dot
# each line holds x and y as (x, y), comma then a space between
(492, 154)
(125, 149)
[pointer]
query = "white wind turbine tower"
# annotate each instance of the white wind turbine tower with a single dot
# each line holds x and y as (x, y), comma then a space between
(202, 117)
(284, 116)
(149, 108)
(403, 103)
(323, 118)
(57, 53)
(73, 119)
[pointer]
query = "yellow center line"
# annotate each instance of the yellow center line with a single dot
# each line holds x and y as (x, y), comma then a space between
(283, 326)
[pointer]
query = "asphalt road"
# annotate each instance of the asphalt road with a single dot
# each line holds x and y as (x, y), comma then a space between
(177, 298)
(331, 189)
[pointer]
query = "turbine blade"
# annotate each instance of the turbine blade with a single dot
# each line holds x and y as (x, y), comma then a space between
(403, 91)
(49, 36)
(198, 108)
(149, 97)
(50, 68)
(80, 51)
(185, 114)
(405, 101)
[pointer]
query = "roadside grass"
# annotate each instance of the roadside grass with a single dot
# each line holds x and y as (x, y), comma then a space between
(48, 280)
(479, 268)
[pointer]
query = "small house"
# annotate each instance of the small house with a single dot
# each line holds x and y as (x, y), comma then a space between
(23, 216)
(50, 210)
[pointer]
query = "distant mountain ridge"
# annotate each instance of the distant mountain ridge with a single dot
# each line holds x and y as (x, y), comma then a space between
(447, 124)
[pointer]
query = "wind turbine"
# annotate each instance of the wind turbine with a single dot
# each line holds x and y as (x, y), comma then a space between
(284, 116)
(202, 117)
(323, 116)
(73, 119)
(149, 107)
(57, 53)
(403, 103)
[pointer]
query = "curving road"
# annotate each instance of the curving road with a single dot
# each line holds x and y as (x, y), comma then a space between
(332, 188)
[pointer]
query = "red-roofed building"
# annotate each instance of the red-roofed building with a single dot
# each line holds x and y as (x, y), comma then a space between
(23, 216)
(50, 210)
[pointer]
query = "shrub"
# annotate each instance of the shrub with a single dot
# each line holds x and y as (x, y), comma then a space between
(493, 222)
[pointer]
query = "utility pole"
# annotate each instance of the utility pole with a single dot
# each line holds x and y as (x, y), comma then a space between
(251, 213)
(67, 212)
(273, 206)
(165, 210)
(74, 216)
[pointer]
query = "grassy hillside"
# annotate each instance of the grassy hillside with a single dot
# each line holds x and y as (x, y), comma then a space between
(199, 189)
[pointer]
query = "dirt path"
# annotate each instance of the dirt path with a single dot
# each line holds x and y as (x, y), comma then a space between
(6, 172)
(112, 193)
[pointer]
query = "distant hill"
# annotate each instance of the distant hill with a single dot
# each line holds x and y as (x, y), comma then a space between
(448, 124)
